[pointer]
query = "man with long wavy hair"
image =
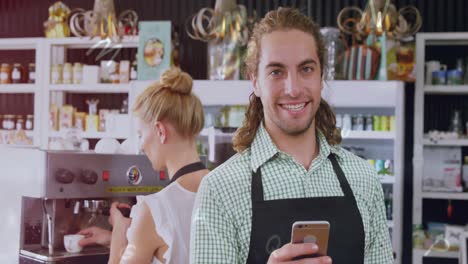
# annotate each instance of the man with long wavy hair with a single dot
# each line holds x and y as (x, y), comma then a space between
(289, 165)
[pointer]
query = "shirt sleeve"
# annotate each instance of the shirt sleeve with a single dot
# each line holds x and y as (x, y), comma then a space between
(380, 249)
(213, 235)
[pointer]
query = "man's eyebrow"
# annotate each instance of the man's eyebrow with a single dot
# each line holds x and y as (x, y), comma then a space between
(307, 61)
(275, 64)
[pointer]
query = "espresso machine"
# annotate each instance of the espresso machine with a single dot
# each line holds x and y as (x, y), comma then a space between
(75, 192)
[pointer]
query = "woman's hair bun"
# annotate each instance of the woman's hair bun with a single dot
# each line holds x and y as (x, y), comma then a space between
(177, 81)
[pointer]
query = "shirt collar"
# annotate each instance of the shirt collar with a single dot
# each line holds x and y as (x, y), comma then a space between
(263, 148)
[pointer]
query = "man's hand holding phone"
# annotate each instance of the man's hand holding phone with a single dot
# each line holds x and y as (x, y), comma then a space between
(288, 252)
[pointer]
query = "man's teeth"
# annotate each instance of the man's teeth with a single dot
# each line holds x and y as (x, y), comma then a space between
(294, 107)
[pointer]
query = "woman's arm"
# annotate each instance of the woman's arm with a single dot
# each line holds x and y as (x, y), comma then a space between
(139, 244)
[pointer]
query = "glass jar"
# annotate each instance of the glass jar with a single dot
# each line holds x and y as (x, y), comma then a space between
(5, 73)
(334, 53)
(9, 122)
(32, 73)
(77, 73)
(67, 73)
(19, 125)
(56, 74)
(29, 125)
(17, 73)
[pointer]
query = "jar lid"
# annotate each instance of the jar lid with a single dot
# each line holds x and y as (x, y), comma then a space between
(29, 116)
(5, 65)
(16, 64)
(32, 64)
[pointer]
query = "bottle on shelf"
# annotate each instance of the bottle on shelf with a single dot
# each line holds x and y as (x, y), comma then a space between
(77, 73)
(31, 73)
(67, 73)
(17, 73)
(5, 73)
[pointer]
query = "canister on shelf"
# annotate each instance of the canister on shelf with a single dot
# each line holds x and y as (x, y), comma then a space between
(31, 73)
(392, 123)
(359, 125)
(369, 123)
(384, 123)
(376, 123)
(9, 122)
(19, 125)
(5, 73)
(17, 73)
(29, 125)
(339, 120)
(77, 73)
(67, 73)
(56, 74)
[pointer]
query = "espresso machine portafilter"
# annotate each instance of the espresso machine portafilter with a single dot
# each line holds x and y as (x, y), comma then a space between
(76, 192)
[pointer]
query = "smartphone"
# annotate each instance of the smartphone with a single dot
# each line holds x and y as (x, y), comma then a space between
(311, 232)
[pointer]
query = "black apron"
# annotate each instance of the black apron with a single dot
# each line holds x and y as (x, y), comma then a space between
(272, 221)
(192, 167)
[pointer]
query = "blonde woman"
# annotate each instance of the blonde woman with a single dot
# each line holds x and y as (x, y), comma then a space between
(170, 118)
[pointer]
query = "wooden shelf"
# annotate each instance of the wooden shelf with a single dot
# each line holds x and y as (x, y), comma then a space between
(436, 254)
(445, 195)
(387, 179)
(446, 89)
(93, 135)
(446, 142)
(351, 134)
(90, 88)
(82, 43)
(25, 88)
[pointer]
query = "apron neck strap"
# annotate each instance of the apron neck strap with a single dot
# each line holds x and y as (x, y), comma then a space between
(257, 186)
(196, 166)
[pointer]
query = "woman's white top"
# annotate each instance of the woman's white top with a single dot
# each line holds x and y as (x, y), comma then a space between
(171, 209)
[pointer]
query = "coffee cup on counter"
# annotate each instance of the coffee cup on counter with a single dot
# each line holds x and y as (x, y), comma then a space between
(71, 243)
(432, 66)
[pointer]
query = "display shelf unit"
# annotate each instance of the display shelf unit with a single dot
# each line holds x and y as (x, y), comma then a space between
(446, 89)
(55, 53)
(376, 95)
(90, 88)
(445, 142)
(22, 88)
(94, 135)
(419, 254)
(36, 44)
(421, 141)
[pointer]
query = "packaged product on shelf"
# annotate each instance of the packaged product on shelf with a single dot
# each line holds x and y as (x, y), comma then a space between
(115, 75)
(454, 77)
(380, 166)
(17, 73)
(339, 120)
(376, 123)
(29, 125)
(358, 123)
(124, 71)
(56, 74)
(19, 125)
(5, 73)
(90, 74)
(92, 123)
(107, 68)
(442, 169)
(369, 123)
(103, 113)
(54, 117)
(8, 122)
(452, 235)
(31, 73)
(77, 73)
(67, 73)
(66, 117)
(392, 123)
(133, 71)
(80, 120)
(384, 123)
(465, 173)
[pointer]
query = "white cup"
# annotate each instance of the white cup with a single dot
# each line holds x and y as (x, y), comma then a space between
(432, 66)
(71, 243)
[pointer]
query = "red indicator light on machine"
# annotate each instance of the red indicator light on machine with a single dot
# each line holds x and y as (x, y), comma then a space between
(162, 175)
(105, 175)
